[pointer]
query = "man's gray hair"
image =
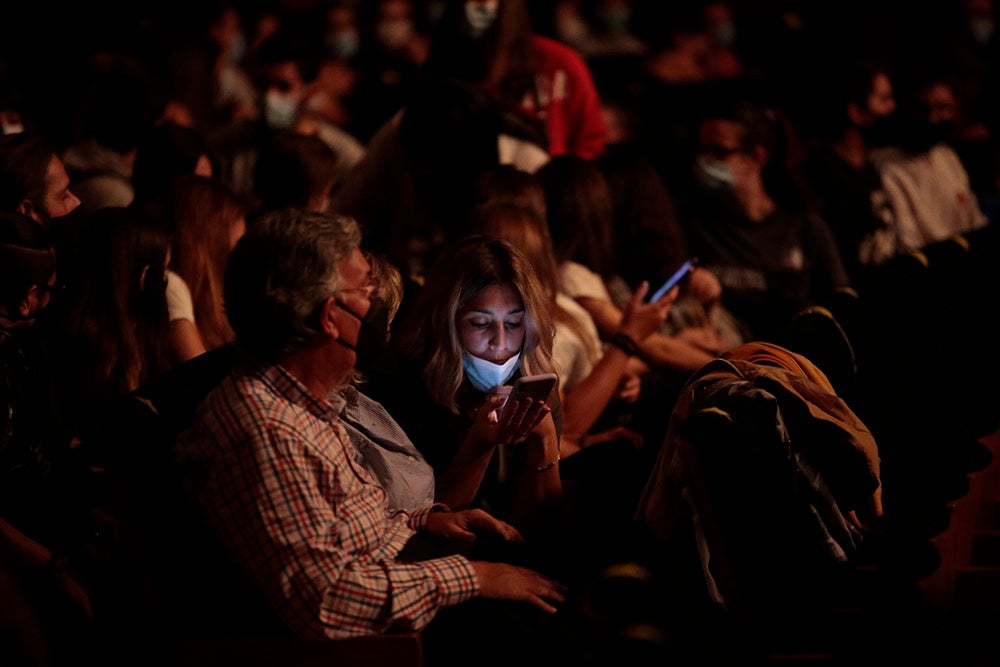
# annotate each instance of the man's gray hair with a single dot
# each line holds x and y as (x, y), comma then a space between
(279, 275)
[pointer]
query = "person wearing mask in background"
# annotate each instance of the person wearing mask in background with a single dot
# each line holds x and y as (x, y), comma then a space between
(772, 255)
(926, 180)
(33, 179)
(842, 181)
(34, 182)
(285, 68)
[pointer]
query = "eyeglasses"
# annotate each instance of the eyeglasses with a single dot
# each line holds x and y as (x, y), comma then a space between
(366, 290)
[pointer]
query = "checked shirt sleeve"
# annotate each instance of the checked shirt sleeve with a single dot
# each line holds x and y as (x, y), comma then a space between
(311, 527)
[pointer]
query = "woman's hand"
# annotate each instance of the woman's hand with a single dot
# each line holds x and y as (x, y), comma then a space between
(639, 319)
(496, 423)
(465, 525)
(629, 388)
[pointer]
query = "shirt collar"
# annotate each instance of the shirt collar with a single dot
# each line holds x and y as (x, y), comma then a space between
(288, 386)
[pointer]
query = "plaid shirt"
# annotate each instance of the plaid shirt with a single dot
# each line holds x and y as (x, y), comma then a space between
(285, 492)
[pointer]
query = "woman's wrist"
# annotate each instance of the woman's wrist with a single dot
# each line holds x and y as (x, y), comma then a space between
(625, 343)
(549, 465)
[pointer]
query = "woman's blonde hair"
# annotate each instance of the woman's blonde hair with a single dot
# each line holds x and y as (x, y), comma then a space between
(520, 225)
(461, 271)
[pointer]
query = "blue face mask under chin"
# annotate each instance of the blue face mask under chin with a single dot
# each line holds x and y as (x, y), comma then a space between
(485, 375)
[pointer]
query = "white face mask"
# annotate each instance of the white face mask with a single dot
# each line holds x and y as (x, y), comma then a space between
(480, 16)
(484, 375)
(343, 43)
(714, 175)
(280, 110)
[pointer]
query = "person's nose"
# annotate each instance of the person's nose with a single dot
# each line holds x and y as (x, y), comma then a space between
(498, 337)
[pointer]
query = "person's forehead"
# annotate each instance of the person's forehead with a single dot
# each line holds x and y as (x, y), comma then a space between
(497, 296)
(719, 129)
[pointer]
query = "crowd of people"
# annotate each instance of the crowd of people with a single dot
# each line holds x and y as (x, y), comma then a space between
(392, 210)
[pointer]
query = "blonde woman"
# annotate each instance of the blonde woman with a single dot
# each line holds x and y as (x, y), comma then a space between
(480, 320)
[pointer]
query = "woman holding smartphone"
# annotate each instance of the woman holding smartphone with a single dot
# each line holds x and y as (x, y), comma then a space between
(480, 321)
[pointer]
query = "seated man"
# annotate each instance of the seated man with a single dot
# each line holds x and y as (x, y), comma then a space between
(280, 480)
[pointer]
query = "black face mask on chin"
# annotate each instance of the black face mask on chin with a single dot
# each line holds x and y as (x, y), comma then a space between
(373, 333)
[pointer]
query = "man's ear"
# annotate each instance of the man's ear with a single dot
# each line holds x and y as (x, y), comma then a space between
(26, 207)
(328, 318)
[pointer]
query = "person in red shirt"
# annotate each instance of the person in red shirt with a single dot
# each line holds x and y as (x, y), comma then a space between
(491, 43)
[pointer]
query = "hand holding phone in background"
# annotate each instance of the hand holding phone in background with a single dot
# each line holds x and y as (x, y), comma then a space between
(680, 274)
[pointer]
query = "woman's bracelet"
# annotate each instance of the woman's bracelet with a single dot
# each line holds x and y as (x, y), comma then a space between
(625, 343)
(551, 464)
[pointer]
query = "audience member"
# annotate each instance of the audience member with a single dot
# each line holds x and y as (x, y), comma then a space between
(429, 156)
(843, 182)
(650, 243)
(491, 43)
(206, 219)
(118, 108)
(112, 327)
(33, 179)
(597, 30)
(168, 150)
(393, 47)
(286, 67)
(969, 43)
(606, 455)
(297, 291)
(580, 219)
(772, 256)
(593, 378)
(927, 184)
(479, 321)
(45, 524)
(294, 169)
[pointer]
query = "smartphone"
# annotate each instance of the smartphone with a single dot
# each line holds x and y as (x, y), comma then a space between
(537, 387)
(678, 275)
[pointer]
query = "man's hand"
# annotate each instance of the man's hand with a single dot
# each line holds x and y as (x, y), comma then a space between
(501, 581)
(464, 525)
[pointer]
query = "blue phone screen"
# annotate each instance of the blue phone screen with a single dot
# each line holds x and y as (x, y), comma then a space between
(672, 280)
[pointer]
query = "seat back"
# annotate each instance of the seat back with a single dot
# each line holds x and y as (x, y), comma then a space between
(191, 589)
